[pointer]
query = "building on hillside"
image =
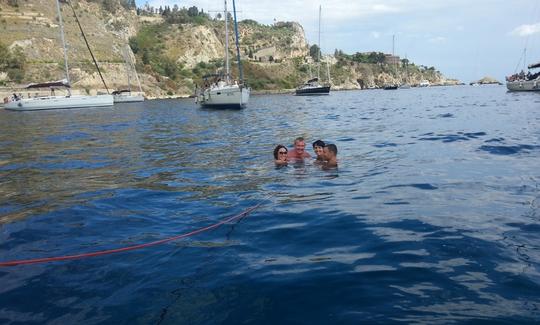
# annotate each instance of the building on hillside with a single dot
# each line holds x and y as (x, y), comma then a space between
(391, 59)
(265, 54)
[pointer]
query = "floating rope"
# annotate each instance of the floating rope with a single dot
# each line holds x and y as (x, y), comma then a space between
(131, 248)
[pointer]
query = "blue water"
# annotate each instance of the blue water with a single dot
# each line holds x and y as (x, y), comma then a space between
(432, 217)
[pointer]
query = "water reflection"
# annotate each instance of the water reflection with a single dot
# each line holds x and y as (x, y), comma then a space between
(431, 217)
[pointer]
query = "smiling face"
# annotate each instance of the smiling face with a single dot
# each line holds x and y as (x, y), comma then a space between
(282, 154)
(299, 146)
(318, 151)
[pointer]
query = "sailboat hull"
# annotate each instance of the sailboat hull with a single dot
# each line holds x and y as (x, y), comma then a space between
(225, 97)
(523, 85)
(59, 102)
(309, 91)
(121, 98)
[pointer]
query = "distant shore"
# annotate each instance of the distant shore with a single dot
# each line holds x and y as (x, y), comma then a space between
(8, 91)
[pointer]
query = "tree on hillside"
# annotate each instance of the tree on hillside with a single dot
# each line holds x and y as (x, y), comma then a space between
(315, 52)
(193, 11)
(13, 62)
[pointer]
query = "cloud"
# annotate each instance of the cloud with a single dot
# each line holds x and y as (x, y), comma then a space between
(526, 30)
(375, 34)
(438, 39)
(381, 8)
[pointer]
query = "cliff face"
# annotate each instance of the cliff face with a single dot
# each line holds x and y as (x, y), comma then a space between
(275, 55)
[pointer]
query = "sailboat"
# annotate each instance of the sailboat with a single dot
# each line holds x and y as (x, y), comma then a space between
(220, 90)
(392, 86)
(52, 101)
(524, 81)
(125, 95)
(313, 86)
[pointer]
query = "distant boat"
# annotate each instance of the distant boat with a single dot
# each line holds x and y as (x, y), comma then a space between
(524, 82)
(424, 83)
(219, 90)
(390, 87)
(313, 85)
(126, 95)
(52, 101)
(18, 103)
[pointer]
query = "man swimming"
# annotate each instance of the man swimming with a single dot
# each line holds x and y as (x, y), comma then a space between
(299, 152)
(330, 155)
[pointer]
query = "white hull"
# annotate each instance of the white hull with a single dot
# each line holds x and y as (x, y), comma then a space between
(59, 102)
(128, 98)
(232, 96)
(523, 85)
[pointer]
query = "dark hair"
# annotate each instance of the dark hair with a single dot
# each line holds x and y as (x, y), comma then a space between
(279, 146)
(318, 143)
(332, 148)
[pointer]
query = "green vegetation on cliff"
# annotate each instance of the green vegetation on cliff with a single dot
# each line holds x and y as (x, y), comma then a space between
(12, 62)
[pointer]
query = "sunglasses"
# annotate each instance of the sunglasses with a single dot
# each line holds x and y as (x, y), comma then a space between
(282, 152)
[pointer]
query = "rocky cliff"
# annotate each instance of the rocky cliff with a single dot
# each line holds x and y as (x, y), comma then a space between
(170, 57)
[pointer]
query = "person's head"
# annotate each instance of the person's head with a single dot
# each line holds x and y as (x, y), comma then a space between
(330, 151)
(299, 145)
(280, 152)
(318, 147)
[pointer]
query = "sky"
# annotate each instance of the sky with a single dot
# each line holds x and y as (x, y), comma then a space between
(463, 39)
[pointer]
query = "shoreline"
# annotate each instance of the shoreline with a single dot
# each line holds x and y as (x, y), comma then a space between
(8, 91)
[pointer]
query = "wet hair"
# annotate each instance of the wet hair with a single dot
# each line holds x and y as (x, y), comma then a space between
(332, 148)
(299, 139)
(279, 146)
(319, 143)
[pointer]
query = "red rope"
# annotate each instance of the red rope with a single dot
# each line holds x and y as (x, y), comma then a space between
(129, 248)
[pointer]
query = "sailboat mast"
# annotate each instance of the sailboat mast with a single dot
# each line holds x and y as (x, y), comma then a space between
(129, 81)
(63, 41)
(226, 42)
(328, 71)
(319, 51)
(240, 71)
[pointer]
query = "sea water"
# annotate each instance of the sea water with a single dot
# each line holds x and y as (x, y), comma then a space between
(431, 217)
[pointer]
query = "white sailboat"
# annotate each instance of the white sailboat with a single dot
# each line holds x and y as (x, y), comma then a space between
(219, 90)
(524, 82)
(126, 95)
(53, 101)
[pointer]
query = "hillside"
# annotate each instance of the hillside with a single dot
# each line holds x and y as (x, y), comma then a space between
(172, 50)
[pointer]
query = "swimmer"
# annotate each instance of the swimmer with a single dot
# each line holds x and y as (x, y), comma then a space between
(318, 147)
(299, 152)
(330, 156)
(280, 155)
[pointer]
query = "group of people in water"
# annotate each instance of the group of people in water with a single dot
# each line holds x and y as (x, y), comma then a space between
(325, 154)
